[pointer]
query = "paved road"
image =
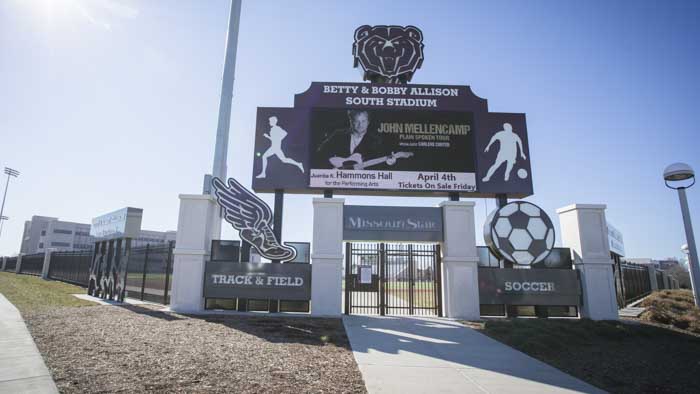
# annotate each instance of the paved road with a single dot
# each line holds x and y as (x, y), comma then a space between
(22, 368)
(432, 355)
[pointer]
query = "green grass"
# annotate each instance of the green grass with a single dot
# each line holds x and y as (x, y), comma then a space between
(421, 298)
(615, 356)
(401, 285)
(31, 293)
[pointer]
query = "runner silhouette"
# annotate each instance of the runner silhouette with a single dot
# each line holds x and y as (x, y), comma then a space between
(509, 142)
(277, 134)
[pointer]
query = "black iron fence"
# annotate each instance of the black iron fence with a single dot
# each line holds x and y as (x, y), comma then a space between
(32, 264)
(635, 281)
(393, 279)
(72, 267)
(11, 264)
(149, 273)
(149, 269)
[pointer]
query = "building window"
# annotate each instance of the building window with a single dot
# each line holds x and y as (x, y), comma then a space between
(62, 244)
(60, 231)
(41, 245)
(82, 233)
(43, 232)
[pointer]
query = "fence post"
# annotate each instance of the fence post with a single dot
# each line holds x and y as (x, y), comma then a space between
(198, 222)
(327, 257)
(583, 229)
(460, 261)
(652, 278)
(168, 267)
(145, 265)
(4, 262)
(18, 267)
(47, 264)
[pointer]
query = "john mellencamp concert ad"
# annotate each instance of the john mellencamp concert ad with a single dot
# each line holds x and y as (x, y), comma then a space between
(392, 150)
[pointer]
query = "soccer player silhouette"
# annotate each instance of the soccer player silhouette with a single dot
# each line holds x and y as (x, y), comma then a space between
(509, 142)
(277, 134)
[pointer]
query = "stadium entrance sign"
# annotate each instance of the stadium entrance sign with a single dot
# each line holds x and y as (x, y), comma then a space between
(389, 140)
(410, 224)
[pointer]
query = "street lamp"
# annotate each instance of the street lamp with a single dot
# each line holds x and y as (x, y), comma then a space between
(680, 176)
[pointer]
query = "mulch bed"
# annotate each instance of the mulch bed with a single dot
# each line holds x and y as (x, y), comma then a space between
(137, 349)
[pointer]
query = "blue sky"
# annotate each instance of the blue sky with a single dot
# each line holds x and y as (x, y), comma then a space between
(106, 104)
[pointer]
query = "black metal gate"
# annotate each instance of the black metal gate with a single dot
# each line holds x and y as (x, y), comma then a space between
(392, 279)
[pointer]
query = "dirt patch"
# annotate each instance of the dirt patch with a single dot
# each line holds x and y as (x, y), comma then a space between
(138, 349)
(620, 357)
(672, 307)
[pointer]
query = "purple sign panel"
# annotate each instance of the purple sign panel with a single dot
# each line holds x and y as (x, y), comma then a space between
(281, 150)
(503, 153)
(391, 140)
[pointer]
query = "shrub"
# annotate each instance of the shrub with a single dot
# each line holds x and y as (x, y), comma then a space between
(672, 307)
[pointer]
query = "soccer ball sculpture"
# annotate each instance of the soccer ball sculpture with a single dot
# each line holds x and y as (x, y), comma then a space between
(519, 232)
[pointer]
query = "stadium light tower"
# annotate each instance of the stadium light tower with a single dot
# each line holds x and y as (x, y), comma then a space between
(2, 219)
(10, 173)
(222, 130)
(681, 176)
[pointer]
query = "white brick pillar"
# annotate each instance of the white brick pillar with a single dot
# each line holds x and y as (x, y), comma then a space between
(47, 264)
(197, 225)
(584, 230)
(460, 272)
(327, 257)
(18, 267)
(4, 262)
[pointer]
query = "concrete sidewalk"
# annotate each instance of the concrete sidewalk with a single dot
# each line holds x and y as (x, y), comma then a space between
(22, 369)
(431, 355)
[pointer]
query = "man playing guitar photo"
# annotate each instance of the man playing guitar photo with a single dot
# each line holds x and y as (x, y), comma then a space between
(355, 147)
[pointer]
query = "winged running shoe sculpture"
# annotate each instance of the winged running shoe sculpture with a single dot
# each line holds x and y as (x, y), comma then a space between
(252, 217)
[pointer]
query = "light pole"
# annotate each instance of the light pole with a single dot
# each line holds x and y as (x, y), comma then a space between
(677, 176)
(222, 129)
(10, 173)
(2, 219)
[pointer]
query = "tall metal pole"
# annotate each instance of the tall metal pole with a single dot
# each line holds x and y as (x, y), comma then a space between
(274, 305)
(7, 184)
(221, 149)
(692, 250)
(10, 173)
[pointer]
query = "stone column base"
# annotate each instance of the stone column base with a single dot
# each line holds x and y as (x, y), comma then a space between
(599, 296)
(460, 289)
(326, 285)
